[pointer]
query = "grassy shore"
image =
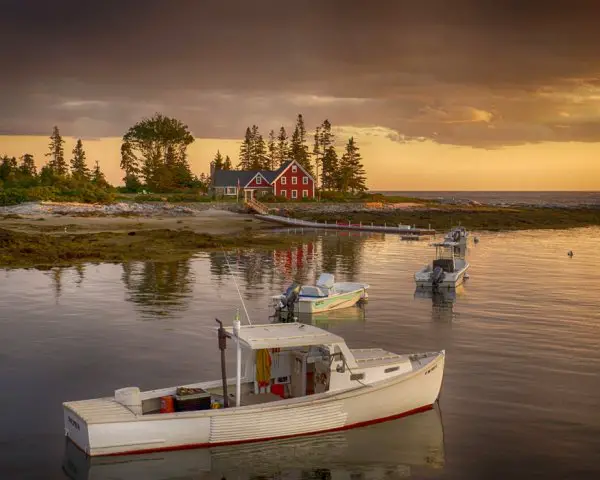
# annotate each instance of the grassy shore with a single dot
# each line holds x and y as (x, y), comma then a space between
(18, 249)
(474, 218)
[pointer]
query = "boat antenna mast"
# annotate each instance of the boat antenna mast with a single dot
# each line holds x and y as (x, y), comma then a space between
(236, 285)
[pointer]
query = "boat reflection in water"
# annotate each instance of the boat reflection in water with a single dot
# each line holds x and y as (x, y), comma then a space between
(399, 447)
(354, 314)
(442, 301)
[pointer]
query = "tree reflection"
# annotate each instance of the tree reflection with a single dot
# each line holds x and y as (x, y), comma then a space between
(159, 288)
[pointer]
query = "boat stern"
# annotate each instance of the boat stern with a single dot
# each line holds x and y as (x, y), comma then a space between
(76, 428)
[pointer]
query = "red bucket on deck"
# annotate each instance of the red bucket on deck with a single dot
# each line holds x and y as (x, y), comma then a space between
(167, 404)
(278, 389)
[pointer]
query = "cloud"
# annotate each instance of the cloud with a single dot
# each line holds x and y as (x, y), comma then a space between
(474, 72)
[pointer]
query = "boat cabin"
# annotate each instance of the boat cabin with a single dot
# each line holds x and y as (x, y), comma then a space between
(445, 256)
(279, 361)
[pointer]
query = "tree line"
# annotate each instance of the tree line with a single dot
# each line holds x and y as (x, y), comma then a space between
(59, 177)
(332, 172)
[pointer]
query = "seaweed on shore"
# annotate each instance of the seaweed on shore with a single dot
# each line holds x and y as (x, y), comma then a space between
(19, 249)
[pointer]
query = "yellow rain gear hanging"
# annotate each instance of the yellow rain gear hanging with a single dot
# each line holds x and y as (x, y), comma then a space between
(263, 367)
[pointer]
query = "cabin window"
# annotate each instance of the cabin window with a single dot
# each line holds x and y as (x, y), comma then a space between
(391, 369)
(304, 180)
(283, 193)
(294, 169)
(230, 190)
(294, 180)
(283, 180)
(258, 180)
(304, 193)
(294, 193)
(357, 376)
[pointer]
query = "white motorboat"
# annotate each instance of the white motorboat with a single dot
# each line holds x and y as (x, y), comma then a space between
(447, 270)
(326, 295)
(396, 447)
(458, 235)
(296, 380)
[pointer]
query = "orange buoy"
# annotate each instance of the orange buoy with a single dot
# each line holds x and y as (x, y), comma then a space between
(167, 404)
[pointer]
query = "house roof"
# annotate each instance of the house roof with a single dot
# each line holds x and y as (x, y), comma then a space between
(278, 335)
(229, 178)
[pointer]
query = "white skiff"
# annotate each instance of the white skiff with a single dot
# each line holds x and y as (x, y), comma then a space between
(296, 380)
(326, 295)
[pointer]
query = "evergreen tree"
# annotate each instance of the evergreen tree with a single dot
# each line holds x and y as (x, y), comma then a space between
(258, 158)
(8, 170)
(298, 147)
(130, 165)
(227, 163)
(352, 172)
(27, 167)
(98, 178)
(57, 163)
(330, 177)
(245, 157)
(219, 162)
(79, 169)
(326, 141)
(272, 149)
(317, 153)
(282, 147)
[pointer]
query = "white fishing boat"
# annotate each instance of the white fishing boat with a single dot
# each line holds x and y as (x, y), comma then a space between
(326, 295)
(292, 379)
(458, 235)
(387, 449)
(447, 270)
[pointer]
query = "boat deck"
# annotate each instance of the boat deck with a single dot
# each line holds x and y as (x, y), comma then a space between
(373, 357)
(100, 410)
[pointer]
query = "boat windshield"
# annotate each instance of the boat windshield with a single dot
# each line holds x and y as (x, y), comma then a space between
(311, 291)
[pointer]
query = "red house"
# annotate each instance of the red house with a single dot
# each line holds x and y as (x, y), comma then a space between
(290, 180)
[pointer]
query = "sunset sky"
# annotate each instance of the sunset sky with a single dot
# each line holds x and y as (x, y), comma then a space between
(440, 95)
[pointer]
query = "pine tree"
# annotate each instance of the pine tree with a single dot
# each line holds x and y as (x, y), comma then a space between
(130, 165)
(57, 163)
(98, 178)
(258, 159)
(326, 141)
(272, 149)
(282, 147)
(352, 172)
(298, 147)
(330, 177)
(27, 167)
(79, 169)
(227, 163)
(246, 151)
(218, 161)
(317, 152)
(8, 169)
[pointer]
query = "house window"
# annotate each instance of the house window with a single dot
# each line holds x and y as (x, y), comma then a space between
(304, 193)
(304, 180)
(283, 193)
(294, 168)
(283, 180)
(294, 193)
(294, 180)
(258, 180)
(230, 190)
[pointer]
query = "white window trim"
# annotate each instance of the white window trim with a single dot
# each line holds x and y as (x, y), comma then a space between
(304, 180)
(294, 180)
(304, 193)
(259, 180)
(294, 194)
(230, 190)
(283, 193)
(294, 168)
(283, 181)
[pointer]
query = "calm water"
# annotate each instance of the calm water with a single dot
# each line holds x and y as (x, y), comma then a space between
(566, 199)
(521, 393)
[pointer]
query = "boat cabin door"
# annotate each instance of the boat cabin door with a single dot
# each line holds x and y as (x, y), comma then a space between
(298, 380)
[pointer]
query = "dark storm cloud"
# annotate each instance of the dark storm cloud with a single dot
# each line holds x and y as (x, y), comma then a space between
(483, 73)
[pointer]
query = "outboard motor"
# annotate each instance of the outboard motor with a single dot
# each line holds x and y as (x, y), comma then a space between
(289, 298)
(437, 276)
(456, 235)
